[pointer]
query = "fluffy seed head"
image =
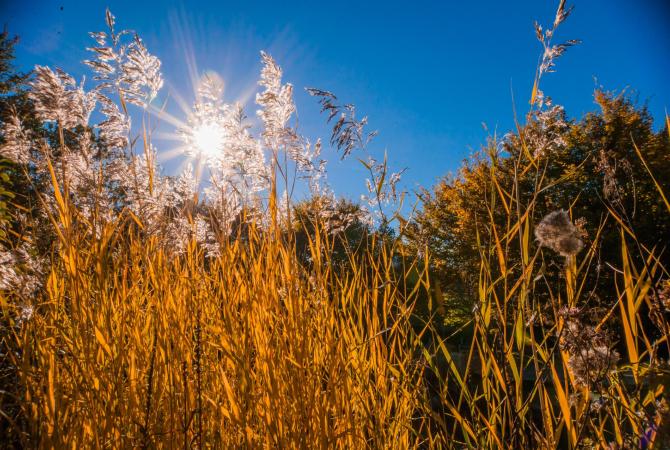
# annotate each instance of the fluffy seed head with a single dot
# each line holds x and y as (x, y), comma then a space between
(17, 141)
(557, 232)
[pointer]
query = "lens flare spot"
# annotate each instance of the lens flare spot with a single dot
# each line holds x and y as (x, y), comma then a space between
(208, 138)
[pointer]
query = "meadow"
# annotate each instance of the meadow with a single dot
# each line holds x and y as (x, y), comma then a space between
(214, 309)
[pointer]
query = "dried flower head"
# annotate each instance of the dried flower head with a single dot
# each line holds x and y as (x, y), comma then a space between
(348, 132)
(557, 232)
(116, 126)
(17, 143)
(24, 314)
(548, 136)
(664, 294)
(20, 272)
(592, 364)
(140, 74)
(277, 107)
(612, 170)
(125, 68)
(57, 98)
(591, 356)
(8, 276)
(551, 52)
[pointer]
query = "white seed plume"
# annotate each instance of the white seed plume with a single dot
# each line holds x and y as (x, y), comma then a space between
(17, 143)
(57, 98)
(126, 69)
(277, 107)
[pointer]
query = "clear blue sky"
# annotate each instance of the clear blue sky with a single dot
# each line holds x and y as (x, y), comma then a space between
(427, 73)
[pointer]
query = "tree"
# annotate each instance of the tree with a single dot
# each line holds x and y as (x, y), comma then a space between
(591, 168)
(343, 221)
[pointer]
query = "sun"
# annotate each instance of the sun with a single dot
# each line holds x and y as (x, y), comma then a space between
(208, 139)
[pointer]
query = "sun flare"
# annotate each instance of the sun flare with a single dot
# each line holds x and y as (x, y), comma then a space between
(208, 139)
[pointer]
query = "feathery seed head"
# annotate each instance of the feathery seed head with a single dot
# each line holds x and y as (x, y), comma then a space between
(557, 232)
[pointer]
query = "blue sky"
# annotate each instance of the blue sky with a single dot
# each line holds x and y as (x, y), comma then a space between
(428, 74)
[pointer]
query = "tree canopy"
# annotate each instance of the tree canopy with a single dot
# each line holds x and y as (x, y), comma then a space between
(591, 168)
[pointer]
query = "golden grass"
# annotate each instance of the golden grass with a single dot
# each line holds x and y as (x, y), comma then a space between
(130, 347)
(495, 407)
(134, 348)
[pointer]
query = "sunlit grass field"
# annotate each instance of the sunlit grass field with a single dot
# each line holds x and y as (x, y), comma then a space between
(272, 330)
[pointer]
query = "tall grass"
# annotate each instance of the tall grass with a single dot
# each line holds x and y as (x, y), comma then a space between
(523, 383)
(130, 345)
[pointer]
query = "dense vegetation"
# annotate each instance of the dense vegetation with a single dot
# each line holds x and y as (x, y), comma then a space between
(589, 166)
(525, 304)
